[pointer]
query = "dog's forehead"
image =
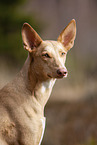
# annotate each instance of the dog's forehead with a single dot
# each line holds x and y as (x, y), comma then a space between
(55, 45)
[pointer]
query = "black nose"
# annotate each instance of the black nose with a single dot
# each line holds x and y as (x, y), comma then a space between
(61, 72)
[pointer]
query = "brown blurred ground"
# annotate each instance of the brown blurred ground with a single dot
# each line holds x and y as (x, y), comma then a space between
(71, 123)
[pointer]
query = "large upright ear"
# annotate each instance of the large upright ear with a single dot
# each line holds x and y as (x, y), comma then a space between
(68, 35)
(30, 37)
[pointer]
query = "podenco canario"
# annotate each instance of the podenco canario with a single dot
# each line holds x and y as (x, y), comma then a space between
(22, 101)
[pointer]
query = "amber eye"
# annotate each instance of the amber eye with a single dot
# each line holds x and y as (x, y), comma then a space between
(63, 53)
(46, 55)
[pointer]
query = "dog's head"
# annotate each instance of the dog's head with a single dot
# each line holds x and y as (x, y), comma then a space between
(49, 56)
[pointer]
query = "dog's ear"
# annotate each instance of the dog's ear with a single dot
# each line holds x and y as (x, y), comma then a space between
(30, 37)
(68, 35)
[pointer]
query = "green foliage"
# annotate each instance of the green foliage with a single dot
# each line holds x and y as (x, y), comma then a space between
(11, 23)
(10, 2)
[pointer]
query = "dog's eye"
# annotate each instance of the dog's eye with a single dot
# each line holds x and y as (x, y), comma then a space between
(63, 53)
(46, 55)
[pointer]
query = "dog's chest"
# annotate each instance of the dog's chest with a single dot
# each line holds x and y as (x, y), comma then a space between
(43, 120)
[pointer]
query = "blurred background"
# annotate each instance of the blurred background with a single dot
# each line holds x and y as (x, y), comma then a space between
(72, 108)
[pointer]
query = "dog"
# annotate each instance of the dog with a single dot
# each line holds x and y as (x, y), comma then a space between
(22, 101)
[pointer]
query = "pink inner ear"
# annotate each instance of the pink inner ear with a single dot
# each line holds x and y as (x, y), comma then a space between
(68, 38)
(32, 42)
(30, 38)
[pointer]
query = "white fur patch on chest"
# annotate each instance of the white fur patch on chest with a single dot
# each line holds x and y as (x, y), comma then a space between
(43, 89)
(43, 120)
(45, 86)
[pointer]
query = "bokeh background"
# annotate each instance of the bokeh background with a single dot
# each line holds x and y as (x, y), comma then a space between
(72, 108)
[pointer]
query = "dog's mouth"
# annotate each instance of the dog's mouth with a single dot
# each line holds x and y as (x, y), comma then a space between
(60, 76)
(49, 76)
(57, 76)
(63, 76)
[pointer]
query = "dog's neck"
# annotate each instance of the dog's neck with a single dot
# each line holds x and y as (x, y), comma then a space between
(40, 89)
(43, 90)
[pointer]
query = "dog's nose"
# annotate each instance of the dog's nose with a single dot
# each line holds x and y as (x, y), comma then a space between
(62, 72)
